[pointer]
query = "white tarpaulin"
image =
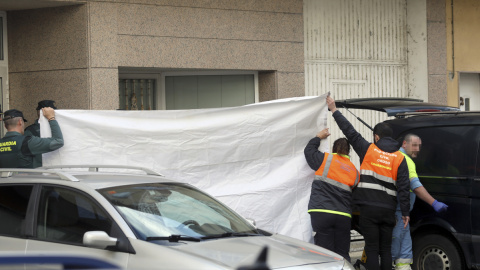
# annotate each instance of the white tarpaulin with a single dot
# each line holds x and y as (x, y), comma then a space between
(249, 157)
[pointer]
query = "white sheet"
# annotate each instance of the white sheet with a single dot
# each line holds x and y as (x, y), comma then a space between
(249, 157)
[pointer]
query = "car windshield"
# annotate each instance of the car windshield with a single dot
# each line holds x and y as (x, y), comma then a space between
(157, 210)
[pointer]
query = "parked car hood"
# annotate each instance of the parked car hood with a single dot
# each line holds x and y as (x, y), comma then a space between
(283, 252)
(393, 106)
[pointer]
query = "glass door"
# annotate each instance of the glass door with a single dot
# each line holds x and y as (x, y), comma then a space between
(469, 90)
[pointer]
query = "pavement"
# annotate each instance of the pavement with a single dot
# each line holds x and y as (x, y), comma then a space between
(356, 246)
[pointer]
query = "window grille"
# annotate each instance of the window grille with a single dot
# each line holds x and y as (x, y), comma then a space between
(137, 94)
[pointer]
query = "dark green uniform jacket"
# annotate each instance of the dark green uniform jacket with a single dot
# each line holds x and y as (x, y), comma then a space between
(34, 130)
(18, 151)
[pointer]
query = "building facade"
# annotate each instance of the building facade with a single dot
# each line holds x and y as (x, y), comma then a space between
(184, 54)
(84, 53)
(463, 57)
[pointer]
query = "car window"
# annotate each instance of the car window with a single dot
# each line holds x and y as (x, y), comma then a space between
(13, 209)
(65, 215)
(447, 151)
(157, 210)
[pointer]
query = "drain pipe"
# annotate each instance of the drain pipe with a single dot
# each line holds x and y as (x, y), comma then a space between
(452, 73)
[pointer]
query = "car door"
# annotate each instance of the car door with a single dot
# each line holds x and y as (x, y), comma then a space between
(445, 166)
(476, 208)
(14, 201)
(64, 215)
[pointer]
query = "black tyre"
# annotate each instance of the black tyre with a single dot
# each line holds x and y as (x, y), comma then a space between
(436, 252)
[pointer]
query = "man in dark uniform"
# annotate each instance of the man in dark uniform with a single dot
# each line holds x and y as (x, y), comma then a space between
(18, 150)
(34, 129)
(383, 177)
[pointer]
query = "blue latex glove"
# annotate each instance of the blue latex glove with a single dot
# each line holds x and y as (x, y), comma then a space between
(439, 206)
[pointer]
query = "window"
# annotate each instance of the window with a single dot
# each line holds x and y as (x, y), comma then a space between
(137, 94)
(13, 209)
(214, 91)
(186, 90)
(447, 151)
(164, 209)
(65, 215)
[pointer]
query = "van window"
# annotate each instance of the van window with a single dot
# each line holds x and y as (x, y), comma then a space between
(447, 151)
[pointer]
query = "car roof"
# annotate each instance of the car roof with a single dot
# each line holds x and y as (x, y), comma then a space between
(89, 175)
(393, 106)
(104, 180)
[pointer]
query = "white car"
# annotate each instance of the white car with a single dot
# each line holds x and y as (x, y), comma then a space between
(138, 221)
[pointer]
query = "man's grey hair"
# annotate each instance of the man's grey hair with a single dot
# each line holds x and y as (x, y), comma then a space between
(11, 122)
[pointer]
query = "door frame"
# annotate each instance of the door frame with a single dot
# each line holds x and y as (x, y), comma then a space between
(4, 89)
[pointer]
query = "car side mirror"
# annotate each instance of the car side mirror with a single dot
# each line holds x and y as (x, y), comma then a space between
(98, 239)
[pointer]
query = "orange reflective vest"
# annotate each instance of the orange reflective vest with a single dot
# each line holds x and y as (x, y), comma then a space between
(332, 187)
(379, 174)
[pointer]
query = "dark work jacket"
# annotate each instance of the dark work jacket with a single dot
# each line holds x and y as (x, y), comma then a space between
(324, 196)
(34, 130)
(18, 151)
(14, 152)
(374, 197)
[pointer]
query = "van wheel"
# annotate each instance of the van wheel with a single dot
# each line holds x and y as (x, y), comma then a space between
(436, 252)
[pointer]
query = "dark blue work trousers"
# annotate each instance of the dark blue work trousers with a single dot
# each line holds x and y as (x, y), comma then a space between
(376, 224)
(332, 232)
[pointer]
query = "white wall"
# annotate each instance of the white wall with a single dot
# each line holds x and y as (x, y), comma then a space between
(363, 49)
(417, 49)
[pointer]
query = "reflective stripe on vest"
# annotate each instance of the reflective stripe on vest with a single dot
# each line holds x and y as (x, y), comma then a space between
(330, 212)
(400, 262)
(383, 167)
(343, 172)
(377, 187)
(333, 182)
(379, 176)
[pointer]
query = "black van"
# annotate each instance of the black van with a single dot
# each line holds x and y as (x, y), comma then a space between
(448, 165)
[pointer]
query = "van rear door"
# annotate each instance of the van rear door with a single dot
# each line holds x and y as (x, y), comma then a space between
(397, 107)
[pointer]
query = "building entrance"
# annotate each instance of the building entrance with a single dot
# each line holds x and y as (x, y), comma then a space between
(469, 90)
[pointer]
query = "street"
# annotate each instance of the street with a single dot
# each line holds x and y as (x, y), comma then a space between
(356, 246)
